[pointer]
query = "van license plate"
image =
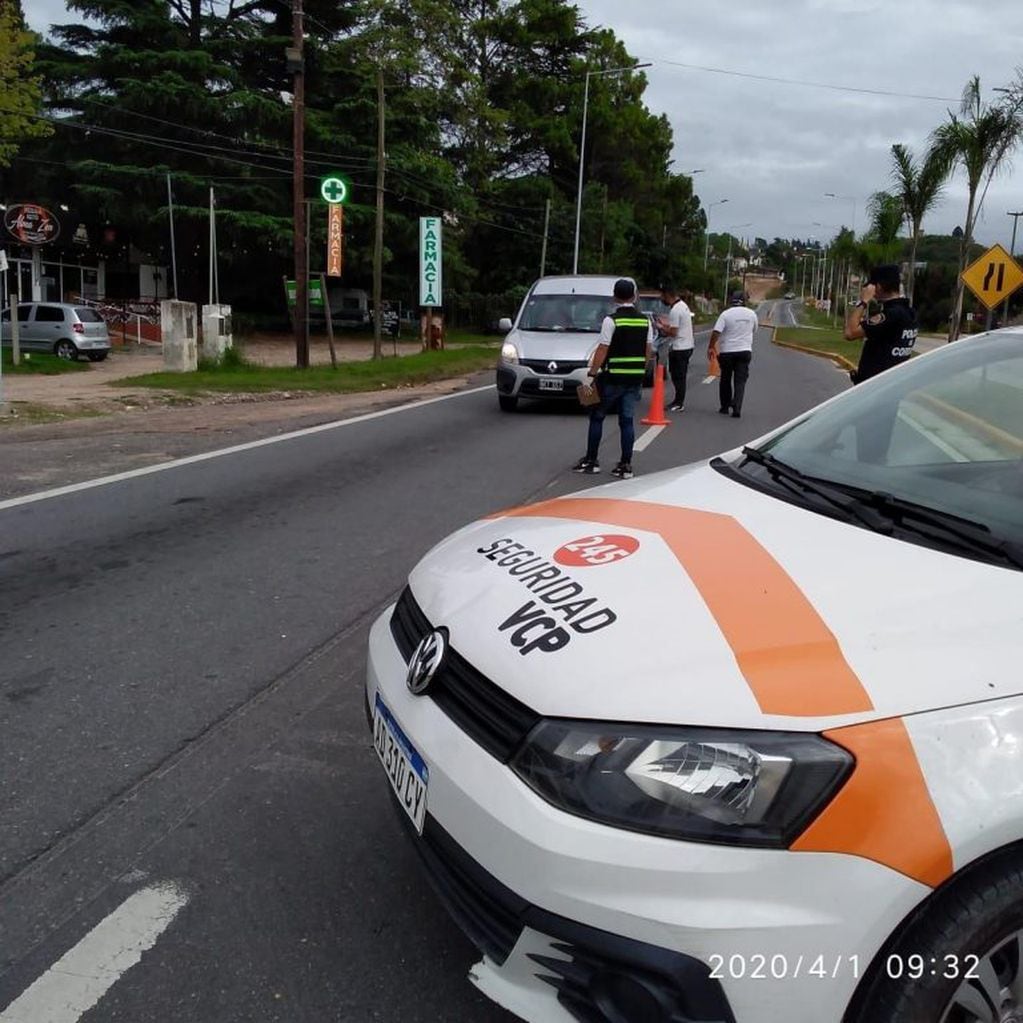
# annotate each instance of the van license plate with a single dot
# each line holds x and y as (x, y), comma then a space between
(551, 384)
(405, 768)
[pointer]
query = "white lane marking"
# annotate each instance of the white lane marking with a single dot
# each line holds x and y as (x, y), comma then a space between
(706, 380)
(642, 443)
(84, 974)
(102, 481)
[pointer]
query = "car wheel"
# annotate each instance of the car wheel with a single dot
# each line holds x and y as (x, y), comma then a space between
(65, 349)
(958, 960)
(97, 356)
(507, 402)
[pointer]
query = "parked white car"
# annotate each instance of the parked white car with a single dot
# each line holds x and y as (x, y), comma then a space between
(803, 802)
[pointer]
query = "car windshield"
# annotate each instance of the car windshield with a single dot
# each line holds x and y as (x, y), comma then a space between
(580, 314)
(944, 434)
(651, 305)
(87, 315)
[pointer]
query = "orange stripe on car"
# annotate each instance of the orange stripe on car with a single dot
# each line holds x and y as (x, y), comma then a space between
(884, 812)
(789, 657)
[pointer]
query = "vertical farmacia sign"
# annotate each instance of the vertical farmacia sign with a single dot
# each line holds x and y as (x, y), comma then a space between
(430, 261)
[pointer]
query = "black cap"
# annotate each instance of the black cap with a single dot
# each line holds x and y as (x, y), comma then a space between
(737, 298)
(625, 290)
(888, 275)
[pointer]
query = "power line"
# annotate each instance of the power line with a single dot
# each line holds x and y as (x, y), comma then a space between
(803, 83)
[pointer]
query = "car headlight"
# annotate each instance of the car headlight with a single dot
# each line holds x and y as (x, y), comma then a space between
(699, 784)
(509, 353)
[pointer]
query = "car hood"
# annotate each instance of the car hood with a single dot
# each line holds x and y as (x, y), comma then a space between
(546, 345)
(687, 597)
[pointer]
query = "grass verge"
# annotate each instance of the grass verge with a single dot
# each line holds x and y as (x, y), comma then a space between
(825, 341)
(236, 375)
(40, 364)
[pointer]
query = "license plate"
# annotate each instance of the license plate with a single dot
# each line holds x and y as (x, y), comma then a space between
(405, 768)
(547, 384)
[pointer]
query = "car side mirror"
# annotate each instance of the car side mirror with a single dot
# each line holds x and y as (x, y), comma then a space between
(504, 324)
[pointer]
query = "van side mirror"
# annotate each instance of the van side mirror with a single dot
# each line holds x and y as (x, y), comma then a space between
(504, 324)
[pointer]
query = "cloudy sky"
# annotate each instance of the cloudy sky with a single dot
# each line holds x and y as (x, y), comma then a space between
(773, 149)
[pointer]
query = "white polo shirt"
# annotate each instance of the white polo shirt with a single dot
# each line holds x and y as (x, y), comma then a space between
(680, 317)
(737, 326)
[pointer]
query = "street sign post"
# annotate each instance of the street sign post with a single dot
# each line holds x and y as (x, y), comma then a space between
(993, 277)
(430, 262)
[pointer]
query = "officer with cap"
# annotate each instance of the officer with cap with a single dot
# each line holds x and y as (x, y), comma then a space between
(890, 333)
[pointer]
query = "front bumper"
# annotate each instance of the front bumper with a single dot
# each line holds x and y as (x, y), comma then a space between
(518, 381)
(707, 932)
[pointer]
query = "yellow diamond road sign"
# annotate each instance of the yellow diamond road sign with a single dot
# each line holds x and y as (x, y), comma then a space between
(993, 277)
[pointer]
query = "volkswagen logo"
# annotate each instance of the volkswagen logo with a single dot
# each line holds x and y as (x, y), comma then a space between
(552, 367)
(425, 660)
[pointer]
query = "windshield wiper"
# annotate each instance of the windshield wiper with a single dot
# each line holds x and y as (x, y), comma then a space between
(884, 513)
(921, 519)
(793, 478)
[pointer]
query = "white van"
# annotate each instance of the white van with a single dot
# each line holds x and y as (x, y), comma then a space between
(549, 345)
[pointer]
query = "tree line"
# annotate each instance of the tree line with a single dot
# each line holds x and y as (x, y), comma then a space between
(482, 102)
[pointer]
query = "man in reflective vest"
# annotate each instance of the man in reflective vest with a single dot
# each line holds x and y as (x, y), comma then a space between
(618, 365)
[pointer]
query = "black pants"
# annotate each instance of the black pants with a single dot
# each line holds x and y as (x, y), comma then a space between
(678, 367)
(733, 364)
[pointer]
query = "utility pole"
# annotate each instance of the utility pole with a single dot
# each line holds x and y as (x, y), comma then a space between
(296, 64)
(378, 242)
(546, 228)
(174, 255)
(1012, 252)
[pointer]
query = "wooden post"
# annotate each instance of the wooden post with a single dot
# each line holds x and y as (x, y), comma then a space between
(378, 240)
(330, 320)
(15, 335)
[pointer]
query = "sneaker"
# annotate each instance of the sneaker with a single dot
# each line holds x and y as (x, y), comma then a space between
(623, 471)
(736, 414)
(723, 411)
(676, 408)
(587, 465)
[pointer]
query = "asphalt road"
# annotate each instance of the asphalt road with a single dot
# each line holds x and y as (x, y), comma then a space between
(181, 710)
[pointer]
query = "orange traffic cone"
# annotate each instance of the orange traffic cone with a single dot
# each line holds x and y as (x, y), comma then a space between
(656, 416)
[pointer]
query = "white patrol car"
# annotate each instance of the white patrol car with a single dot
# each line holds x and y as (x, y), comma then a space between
(805, 804)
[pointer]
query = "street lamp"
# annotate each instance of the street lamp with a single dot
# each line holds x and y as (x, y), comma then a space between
(849, 198)
(706, 245)
(582, 149)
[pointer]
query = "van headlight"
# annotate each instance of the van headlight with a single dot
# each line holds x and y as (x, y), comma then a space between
(509, 353)
(700, 784)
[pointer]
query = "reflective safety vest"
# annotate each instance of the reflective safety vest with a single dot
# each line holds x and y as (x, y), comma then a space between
(626, 355)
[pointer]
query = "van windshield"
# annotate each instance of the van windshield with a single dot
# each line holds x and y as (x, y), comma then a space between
(579, 314)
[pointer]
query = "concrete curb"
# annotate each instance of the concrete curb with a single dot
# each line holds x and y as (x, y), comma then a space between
(841, 360)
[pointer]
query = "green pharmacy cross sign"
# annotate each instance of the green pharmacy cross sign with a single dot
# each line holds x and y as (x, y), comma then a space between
(333, 189)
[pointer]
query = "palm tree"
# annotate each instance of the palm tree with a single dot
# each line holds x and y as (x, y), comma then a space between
(885, 213)
(979, 139)
(919, 187)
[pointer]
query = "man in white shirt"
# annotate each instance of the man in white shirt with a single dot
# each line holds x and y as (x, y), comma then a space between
(678, 327)
(732, 340)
